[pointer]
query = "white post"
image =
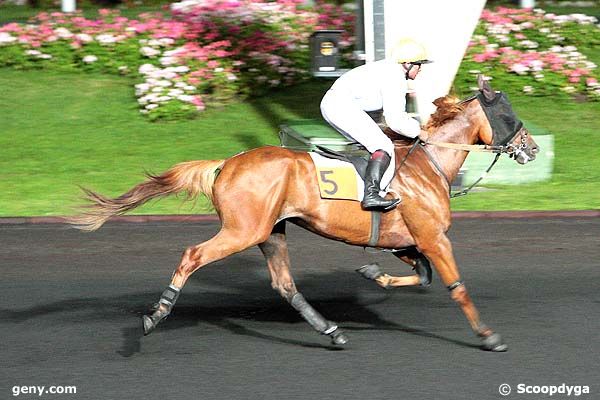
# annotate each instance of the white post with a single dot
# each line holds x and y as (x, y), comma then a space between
(68, 6)
(369, 31)
(527, 3)
(444, 28)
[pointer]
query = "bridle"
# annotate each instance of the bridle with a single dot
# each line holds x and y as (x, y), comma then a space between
(508, 147)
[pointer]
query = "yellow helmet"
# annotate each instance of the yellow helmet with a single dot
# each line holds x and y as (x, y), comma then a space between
(409, 51)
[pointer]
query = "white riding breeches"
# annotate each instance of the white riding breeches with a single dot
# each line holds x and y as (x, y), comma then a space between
(346, 115)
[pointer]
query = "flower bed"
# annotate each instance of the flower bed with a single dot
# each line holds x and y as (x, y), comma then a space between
(534, 52)
(206, 53)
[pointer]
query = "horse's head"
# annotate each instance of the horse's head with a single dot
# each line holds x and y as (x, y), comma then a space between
(500, 125)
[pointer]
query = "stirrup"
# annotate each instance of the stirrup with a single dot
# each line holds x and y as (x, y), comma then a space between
(383, 204)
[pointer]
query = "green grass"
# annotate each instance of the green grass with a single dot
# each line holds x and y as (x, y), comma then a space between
(61, 130)
(575, 183)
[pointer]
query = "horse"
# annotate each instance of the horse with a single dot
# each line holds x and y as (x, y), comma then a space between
(255, 193)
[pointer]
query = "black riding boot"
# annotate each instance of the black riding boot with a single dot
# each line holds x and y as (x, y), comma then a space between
(378, 163)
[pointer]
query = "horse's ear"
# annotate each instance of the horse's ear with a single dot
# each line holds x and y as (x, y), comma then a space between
(486, 89)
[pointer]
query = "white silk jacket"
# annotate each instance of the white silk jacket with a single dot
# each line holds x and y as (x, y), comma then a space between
(380, 85)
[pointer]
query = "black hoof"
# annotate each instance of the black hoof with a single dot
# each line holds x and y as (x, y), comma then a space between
(423, 269)
(370, 271)
(493, 343)
(149, 324)
(338, 338)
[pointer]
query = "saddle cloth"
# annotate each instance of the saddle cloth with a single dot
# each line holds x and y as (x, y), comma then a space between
(339, 179)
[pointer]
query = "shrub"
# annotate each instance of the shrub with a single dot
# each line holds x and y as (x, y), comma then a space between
(534, 52)
(206, 54)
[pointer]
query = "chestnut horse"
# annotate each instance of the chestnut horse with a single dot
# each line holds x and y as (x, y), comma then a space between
(256, 192)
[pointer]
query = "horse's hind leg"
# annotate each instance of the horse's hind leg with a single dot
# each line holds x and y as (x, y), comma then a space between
(412, 257)
(225, 243)
(276, 252)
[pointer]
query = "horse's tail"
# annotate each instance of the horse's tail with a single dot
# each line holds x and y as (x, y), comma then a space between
(193, 177)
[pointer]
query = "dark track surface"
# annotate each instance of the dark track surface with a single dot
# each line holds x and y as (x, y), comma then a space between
(72, 302)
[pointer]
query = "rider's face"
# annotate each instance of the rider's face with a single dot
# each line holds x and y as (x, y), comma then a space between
(412, 70)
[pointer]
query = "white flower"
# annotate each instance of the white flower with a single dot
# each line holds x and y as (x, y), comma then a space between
(168, 60)
(536, 65)
(185, 98)
(6, 38)
(190, 88)
(157, 89)
(90, 59)
(146, 69)
(519, 68)
(529, 44)
(175, 92)
(527, 89)
(149, 51)
(141, 88)
(179, 69)
(166, 42)
(33, 53)
(151, 106)
(474, 71)
(63, 33)
(45, 56)
(84, 37)
(106, 39)
(219, 69)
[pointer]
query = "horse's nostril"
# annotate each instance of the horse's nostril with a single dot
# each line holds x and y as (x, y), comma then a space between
(535, 150)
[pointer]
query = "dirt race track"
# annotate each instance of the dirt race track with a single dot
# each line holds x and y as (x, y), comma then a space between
(72, 302)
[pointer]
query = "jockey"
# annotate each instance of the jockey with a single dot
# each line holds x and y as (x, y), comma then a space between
(379, 85)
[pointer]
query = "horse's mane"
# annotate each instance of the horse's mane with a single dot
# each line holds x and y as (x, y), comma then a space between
(448, 107)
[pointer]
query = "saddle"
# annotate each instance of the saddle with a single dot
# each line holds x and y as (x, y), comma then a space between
(359, 161)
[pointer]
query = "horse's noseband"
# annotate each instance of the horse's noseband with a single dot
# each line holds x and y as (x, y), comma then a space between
(515, 150)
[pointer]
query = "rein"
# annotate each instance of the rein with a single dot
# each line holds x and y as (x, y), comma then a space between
(512, 150)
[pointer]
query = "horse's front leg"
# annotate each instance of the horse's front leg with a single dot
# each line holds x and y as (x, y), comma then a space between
(412, 257)
(438, 249)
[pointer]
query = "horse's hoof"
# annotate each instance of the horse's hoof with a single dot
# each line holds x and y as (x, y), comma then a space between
(370, 271)
(493, 343)
(338, 338)
(423, 269)
(149, 324)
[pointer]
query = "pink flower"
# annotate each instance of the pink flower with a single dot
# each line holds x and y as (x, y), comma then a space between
(197, 101)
